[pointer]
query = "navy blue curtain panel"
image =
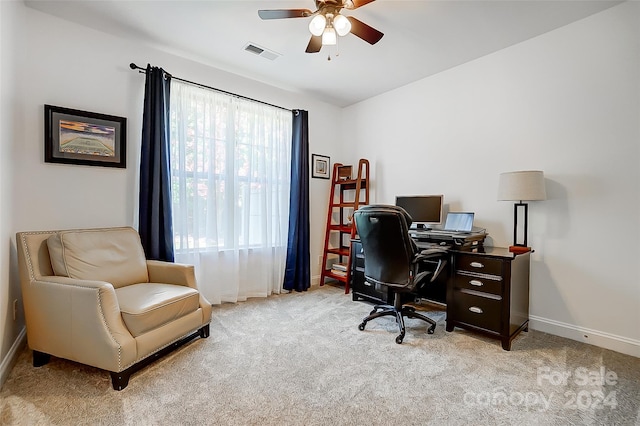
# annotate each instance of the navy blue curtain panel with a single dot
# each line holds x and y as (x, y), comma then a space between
(155, 227)
(297, 274)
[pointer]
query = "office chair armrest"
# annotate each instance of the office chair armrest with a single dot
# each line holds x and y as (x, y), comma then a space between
(433, 274)
(432, 255)
(441, 264)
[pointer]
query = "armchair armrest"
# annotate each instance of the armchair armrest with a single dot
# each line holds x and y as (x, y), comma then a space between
(171, 273)
(178, 274)
(78, 320)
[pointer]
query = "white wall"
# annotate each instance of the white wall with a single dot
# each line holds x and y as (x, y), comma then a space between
(9, 288)
(567, 103)
(64, 64)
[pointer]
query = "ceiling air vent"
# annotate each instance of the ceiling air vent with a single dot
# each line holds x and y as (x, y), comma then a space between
(261, 51)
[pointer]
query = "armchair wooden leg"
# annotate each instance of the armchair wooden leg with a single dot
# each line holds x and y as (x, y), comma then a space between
(40, 358)
(204, 331)
(120, 380)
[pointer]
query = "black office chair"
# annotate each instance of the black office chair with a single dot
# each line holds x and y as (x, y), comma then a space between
(392, 259)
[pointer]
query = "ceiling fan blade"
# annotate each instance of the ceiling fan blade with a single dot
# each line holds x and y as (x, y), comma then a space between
(315, 44)
(284, 13)
(364, 31)
(354, 4)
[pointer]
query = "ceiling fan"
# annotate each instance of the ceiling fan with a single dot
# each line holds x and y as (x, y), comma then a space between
(327, 22)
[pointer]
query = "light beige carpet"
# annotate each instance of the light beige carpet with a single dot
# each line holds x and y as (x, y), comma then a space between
(299, 359)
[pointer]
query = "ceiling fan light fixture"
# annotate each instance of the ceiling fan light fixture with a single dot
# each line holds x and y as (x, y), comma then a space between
(342, 25)
(326, 23)
(329, 37)
(317, 25)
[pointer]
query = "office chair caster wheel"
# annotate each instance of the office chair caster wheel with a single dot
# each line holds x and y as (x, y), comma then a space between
(399, 339)
(361, 326)
(431, 329)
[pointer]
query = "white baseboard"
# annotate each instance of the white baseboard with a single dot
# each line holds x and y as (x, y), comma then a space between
(12, 356)
(593, 337)
(315, 280)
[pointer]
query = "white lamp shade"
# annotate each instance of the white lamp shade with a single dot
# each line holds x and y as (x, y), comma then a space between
(342, 25)
(522, 186)
(329, 37)
(317, 25)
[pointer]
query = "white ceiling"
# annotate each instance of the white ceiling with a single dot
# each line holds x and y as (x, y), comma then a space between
(422, 37)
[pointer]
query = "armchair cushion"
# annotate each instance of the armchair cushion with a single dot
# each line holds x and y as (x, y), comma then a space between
(114, 255)
(147, 306)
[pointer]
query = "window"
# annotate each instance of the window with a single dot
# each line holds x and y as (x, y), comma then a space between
(230, 171)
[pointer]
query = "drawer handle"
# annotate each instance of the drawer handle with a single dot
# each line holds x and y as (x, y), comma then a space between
(476, 283)
(476, 310)
(477, 265)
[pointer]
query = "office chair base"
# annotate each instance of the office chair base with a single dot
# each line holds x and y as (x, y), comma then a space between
(401, 312)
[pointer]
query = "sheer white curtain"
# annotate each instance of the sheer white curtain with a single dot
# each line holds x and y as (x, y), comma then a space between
(230, 167)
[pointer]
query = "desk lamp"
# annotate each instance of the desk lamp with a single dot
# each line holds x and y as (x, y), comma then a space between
(521, 186)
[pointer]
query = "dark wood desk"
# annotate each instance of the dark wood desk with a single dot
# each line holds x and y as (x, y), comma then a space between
(489, 292)
(486, 289)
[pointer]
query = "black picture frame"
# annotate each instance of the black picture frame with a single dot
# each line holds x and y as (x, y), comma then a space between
(73, 136)
(320, 166)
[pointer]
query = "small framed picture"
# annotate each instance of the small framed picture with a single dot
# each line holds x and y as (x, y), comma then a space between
(87, 138)
(321, 166)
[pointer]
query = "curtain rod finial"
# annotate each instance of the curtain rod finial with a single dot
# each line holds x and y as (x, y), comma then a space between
(133, 66)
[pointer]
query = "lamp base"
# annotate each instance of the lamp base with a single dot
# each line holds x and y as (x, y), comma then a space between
(519, 249)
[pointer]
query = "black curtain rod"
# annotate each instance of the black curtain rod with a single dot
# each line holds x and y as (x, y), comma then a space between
(144, 71)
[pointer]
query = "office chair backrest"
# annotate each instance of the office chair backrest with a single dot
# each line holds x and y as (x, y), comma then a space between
(388, 248)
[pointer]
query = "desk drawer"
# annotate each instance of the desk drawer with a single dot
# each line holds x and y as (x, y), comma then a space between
(487, 284)
(479, 264)
(483, 312)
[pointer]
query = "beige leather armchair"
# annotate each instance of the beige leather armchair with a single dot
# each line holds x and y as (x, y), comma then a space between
(91, 296)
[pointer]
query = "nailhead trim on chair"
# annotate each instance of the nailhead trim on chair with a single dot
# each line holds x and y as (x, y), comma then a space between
(28, 256)
(104, 321)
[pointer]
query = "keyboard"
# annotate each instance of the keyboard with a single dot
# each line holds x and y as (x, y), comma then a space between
(443, 232)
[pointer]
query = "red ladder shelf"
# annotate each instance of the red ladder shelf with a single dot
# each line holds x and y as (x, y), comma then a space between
(348, 193)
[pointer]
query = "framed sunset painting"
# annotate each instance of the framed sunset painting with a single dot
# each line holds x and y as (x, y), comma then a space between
(86, 138)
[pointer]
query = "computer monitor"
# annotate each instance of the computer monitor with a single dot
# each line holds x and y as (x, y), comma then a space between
(425, 210)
